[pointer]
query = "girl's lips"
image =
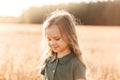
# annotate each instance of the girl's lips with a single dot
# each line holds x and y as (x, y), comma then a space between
(54, 47)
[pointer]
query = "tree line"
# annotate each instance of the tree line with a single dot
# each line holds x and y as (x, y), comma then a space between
(99, 13)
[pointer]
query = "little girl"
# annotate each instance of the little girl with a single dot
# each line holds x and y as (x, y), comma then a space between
(63, 60)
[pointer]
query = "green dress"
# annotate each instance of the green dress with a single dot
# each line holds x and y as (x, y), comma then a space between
(68, 67)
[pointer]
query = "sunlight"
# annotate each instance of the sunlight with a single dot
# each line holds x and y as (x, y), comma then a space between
(10, 7)
(15, 7)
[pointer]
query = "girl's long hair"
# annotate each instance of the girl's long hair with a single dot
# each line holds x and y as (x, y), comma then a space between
(66, 24)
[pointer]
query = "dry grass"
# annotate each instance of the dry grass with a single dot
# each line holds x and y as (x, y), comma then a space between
(19, 52)
(100, 47)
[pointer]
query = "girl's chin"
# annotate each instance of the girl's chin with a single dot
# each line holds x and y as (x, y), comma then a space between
(55, 51)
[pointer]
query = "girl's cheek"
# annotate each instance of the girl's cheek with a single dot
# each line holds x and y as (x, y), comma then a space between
(48, 43)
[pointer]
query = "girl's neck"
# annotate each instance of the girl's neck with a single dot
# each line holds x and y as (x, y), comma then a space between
(60, 55)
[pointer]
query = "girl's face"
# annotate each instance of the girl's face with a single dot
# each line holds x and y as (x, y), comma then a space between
(56, 41)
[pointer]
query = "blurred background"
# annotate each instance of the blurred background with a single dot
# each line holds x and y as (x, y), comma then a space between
(88, 12)
(98, 32)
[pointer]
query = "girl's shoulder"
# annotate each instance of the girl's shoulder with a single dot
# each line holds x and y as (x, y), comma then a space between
(78, 68)
(77, 62)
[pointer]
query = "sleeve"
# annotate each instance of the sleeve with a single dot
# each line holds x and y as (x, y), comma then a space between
(43, 69)
(79, 71)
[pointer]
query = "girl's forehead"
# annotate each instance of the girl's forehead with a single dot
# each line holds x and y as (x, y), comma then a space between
(52, 31)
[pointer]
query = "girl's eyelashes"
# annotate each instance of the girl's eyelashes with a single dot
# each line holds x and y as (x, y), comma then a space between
(56, 39)
(49, 39)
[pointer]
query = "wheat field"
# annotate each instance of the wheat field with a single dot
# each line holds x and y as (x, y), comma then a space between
(20, 51)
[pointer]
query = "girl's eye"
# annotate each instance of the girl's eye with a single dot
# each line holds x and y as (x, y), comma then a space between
(57, 39)
(49, 39)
